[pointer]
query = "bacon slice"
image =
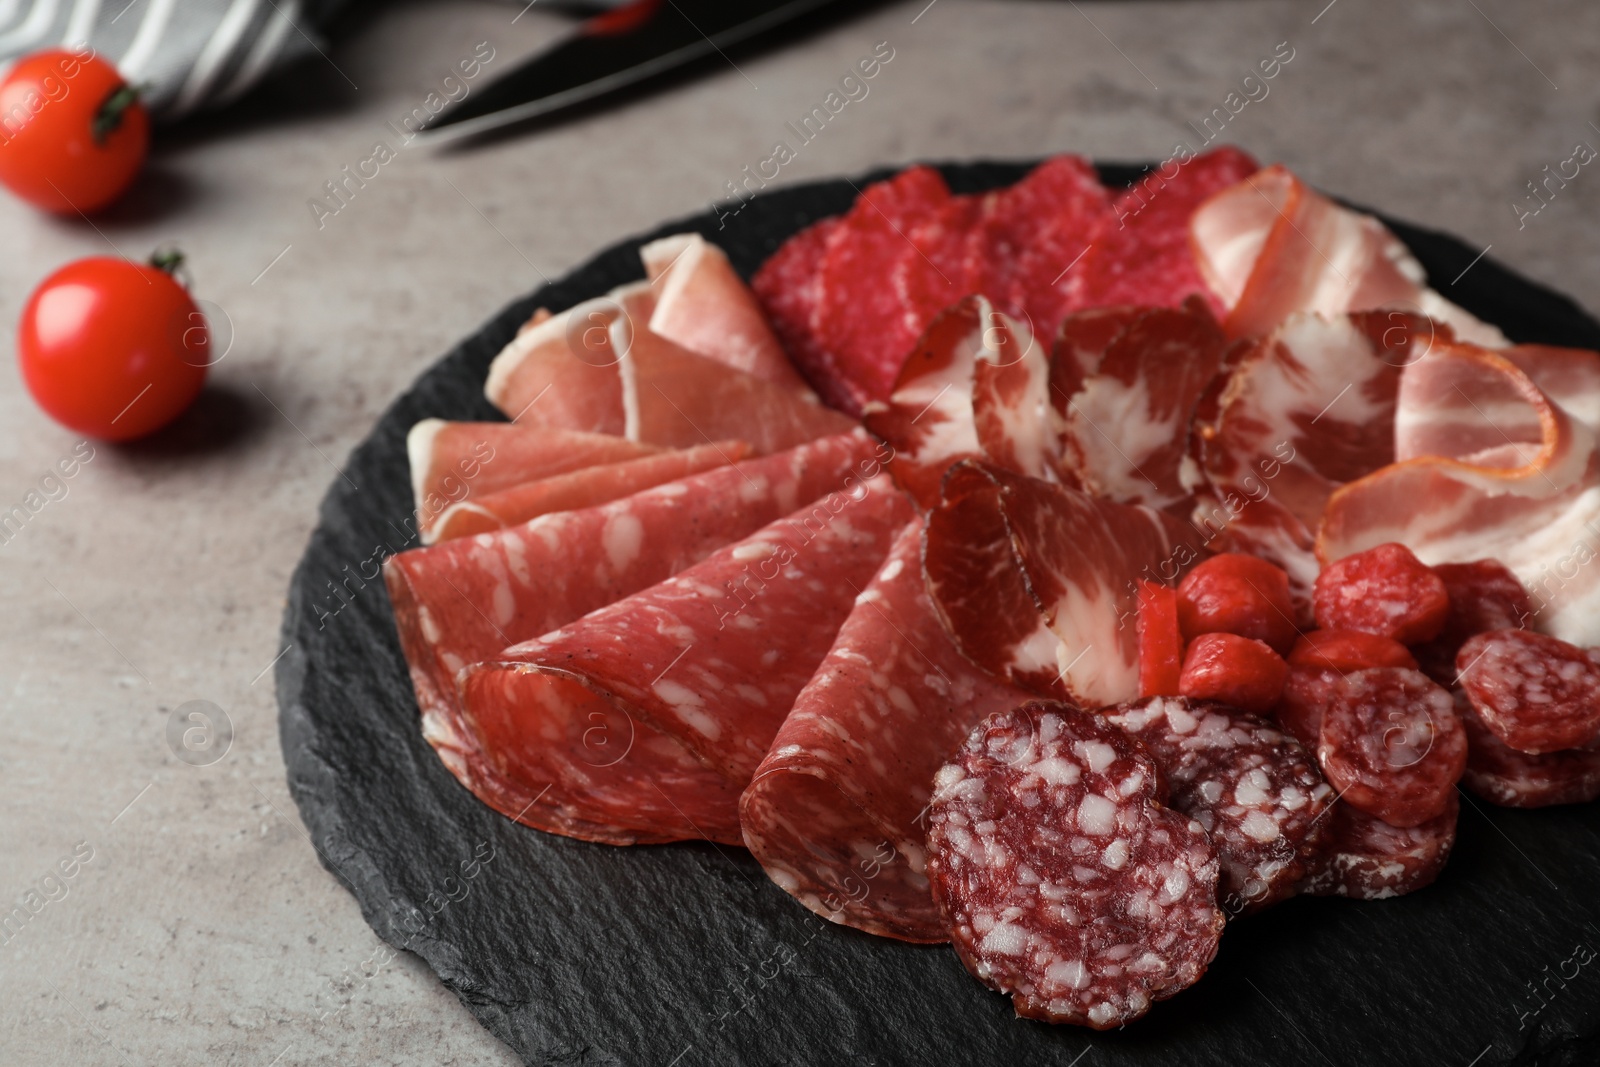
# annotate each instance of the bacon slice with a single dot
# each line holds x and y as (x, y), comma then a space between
(594, 365)
(1036, 582)
(834, 812)
(688, 680)
(702, 305)
(461, 602)
(452, 461)
(582, 488)
(1271, 246)
(1531, 501)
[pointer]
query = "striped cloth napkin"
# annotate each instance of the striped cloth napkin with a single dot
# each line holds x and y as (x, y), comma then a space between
(185, 54)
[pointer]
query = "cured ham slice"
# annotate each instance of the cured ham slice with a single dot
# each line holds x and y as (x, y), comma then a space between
(1532, 500)
(702, 305)
(593, 365)
(451, 461)
(1305, 410)
(1133, 396)
(1141, 254)
(974, 387)
(1271, 246)
(461, 602)
(834, 812)
(687, 681)
(1037, 582)
(581, 488)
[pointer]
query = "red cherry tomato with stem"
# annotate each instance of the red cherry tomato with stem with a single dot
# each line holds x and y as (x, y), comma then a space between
(73, 134)
(113, 349)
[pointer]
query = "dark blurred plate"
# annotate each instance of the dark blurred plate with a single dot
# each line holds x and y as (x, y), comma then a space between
(686, 954)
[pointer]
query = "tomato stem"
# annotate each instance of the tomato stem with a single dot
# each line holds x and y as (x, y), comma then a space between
(109, 116)
(166, 259)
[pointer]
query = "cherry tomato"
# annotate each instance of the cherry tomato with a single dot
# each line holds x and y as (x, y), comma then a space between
(72, 133)
(113, 349)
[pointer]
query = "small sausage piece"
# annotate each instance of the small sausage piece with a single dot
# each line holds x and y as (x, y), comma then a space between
(1349, 650)
(1384, 590)
(1501, 775)
(1160, 641)
(1234, 670)
(1365, 858)
(1538, 694)
(1238, 594)
(1484, 596)
(1306, 693)
(1064, 882)
(1391, 744)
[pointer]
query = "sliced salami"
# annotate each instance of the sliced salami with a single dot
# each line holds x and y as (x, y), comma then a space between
(835, 812)
(1484, 595)
(789, 287)
(1306, 694)
(1501, 775)
(582, 488)
(1255, 791)
(461, 602)
(1037, 237)
(651, 714)
(1365, 858)
(1064, 881)
(1536, 693)
(1391, 744)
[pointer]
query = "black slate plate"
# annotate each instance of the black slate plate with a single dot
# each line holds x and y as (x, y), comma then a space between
(685, 954)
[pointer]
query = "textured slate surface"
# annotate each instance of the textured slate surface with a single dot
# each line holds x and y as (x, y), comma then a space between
(680, 955)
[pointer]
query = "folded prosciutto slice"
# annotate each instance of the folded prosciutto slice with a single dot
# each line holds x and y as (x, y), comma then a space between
(701, 304)
(1036, 582)
(461, 602)
(1271, 246)
(451, 461)
(595, 367)
(651, 714)
(833, 812)
(582, 488)
(1492, 466)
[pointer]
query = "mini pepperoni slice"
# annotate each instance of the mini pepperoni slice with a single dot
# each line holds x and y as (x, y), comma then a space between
(1235, 670)
(1537, 693)
(1064, 882)
(1234, 593)
(1392, 745)
(1348, 650)
(1501, 775)
(1384, 590)
(1160, 642)
(1257, 793)
(1484, 595)
(1365, 858)
(1306, 694)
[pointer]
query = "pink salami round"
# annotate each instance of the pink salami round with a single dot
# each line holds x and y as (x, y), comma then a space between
(1392, 745)
(1256, 791)
(1365, 858)
(1538, 694)
(1501, 775)
(1064, 882)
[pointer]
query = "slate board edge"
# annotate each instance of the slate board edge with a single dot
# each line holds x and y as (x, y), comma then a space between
(308, 775)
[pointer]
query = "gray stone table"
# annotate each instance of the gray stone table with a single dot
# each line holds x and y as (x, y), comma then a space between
(202, 929)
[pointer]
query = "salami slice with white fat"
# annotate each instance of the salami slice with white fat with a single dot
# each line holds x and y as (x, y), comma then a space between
(1501, 775)
(1256, 791)
(835, 812)
(1064, 881)
(461, 602)
(651, 714)
(1365, 858)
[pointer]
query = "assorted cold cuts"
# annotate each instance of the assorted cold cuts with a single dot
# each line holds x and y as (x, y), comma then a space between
(1059, 571)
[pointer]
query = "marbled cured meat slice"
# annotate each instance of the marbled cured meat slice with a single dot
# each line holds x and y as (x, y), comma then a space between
(1141, 254)
(461, 602)
(582, 488)
(1501, 775)
(1256, 792)
(789, 287)
(704, 306)
(1064, 881)
(1270, 247)
(596, 359)
(1305, 410)
(998, 541)
(835, 811)
(1365, 858)
(1530, 504)
(454, 461)
(689, 680)
(1127, 422)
